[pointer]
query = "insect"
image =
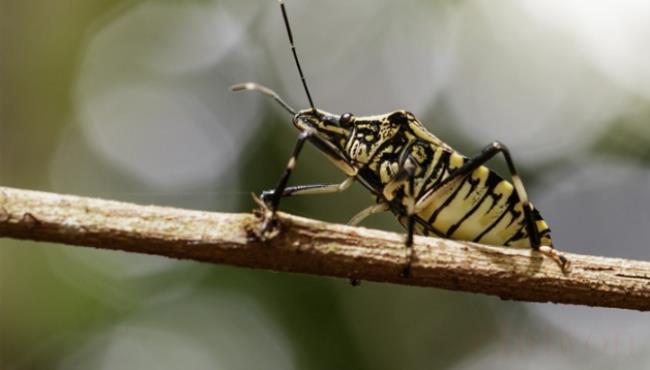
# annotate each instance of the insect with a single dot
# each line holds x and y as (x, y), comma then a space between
(430, 187)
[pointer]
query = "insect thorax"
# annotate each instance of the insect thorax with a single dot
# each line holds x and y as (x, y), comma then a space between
(381, 143)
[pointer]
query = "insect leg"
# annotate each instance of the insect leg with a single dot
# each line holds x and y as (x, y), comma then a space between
(409, 167)
(375, 208)
(267, 195)
(282, 184)
(405, 177)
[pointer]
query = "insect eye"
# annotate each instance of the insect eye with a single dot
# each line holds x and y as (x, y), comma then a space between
(346, 119)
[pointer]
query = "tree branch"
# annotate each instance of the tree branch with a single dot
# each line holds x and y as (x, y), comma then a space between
(314, 247)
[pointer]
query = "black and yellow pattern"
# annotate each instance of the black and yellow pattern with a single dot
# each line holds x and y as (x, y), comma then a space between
(479, 206)
(431, 188)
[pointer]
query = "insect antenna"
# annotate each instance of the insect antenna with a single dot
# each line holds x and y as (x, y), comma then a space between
(295, 56)
(252, 86)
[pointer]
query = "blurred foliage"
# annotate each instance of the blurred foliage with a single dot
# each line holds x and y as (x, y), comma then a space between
(128, 100)
(628, 136)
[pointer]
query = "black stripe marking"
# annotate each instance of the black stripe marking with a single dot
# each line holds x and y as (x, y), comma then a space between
(520, 234)
(515, 214)
(473, 183)
(447, 201)
(455, 226)
(495, 222)
(443, 162)
(492, 181)
(397, 141)
(545, 232)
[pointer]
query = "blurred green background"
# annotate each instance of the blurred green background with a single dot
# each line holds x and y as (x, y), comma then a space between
(129, 100)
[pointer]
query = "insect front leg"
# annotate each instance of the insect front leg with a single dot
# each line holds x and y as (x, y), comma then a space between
(405, 177)
(274, 197)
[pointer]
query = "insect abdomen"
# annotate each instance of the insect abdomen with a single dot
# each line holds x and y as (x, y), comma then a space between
(481, 207)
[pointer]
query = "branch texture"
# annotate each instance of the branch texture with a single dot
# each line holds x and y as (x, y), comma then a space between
(314, 247)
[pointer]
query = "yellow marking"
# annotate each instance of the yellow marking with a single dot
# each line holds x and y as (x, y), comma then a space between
(373, 150)
(486, 218)
(386, 171)
(455, 160)
(330, 128)
(454, 211)
(541, 225)
(338, 130)
(481, 173)
(370, 138)
(431, 201)
(343, 166)
(473, 225)
(436, 156)
(363, 156)
(428, 175)
(394, 167)
(377, 117)
(419, 154)
(351, 141)
(476, 223)
(521, 243)
(390, 189)
(292, 163)
(377, 161)
(505, 229)
(423, 134)
(505, 188)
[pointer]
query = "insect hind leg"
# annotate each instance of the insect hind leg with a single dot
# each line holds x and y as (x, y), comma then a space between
(531, 223)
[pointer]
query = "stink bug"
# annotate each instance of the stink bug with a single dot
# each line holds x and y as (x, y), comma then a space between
(430, 187)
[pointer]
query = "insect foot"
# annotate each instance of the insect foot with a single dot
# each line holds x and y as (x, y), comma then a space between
(266, 196)
(269, 223)
(559, 258)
